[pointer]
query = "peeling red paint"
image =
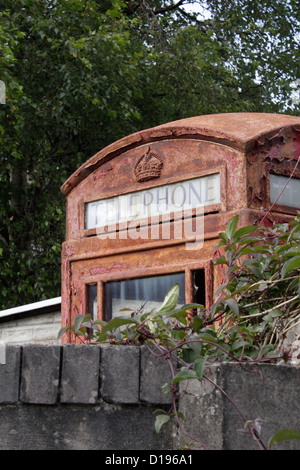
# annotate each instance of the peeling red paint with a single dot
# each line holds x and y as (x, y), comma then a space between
(69, 250)
(296, 152)
(101, 270)
(99, 174)
(251, 157)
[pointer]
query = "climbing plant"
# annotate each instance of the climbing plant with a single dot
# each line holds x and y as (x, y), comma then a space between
(255, 306)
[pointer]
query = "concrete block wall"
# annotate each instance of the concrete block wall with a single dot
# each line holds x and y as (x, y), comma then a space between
(38, 329)
(267, 392)
(81, 397)
(72, 397)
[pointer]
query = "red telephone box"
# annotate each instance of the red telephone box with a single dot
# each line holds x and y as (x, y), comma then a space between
(145, 212)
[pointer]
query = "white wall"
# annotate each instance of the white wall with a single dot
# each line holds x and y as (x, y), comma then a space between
(37, 329)
(38, 322)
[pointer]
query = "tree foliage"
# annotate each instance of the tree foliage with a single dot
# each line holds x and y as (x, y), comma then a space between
(80, 74)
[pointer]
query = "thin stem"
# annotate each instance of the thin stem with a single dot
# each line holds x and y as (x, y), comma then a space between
(253, 315)
(257, 302)
(181, 427)
(252, 429)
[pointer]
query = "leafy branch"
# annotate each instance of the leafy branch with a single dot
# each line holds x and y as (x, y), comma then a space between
(255, 306)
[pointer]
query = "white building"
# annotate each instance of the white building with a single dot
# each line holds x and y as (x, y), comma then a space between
(39, 322)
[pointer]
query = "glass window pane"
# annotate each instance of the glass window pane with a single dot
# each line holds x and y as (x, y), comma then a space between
(92, 300)
(145, 293)
(199, 287)
(291, 194)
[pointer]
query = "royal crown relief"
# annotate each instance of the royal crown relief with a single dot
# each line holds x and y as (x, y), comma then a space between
(194, 193)
(148, 166)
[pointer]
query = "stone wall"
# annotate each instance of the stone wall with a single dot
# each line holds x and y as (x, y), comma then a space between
(268, 393)
(70, 397)
(81, 397)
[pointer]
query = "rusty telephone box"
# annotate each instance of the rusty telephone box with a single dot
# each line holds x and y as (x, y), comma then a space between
(145, 212)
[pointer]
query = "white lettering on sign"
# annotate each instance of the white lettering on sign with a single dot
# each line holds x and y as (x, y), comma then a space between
(161, 200)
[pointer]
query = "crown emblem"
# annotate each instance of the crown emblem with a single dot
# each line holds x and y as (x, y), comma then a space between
(148, 166)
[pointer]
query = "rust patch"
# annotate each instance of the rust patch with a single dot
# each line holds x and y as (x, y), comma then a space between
(252, 156)
(283, 144)
(69, 251)
(101, 270)
(99, 174)
(296, 151)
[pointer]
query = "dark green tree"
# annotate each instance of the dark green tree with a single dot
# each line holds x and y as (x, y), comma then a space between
(80, 74)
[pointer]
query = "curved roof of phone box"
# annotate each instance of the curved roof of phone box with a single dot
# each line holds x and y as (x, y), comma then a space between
(237, 130)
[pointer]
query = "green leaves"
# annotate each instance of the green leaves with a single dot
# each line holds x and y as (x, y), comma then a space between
(160, 420)
(198, 367)
(114, 324)
(290, 265)
(195, 374)
(231, 227)
(283, 435)
(233, 305)
(62, 331)
(183, 375)
(262, 282)
(170, 301)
